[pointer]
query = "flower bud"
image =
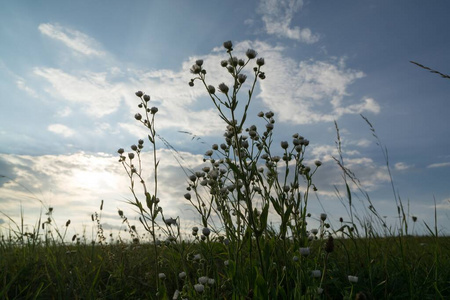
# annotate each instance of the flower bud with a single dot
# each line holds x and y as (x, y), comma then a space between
(134, 147)
(199, 62)
(251, 54)
(211, 89)
(138, 116)
(120, 151)
(187, 196)
(146, 98)
(153, 110)
(242, 78)
(130, 155)
(139, 94)
(284, 144)
(260, 61)
(228, 45)
(223, 88)
(206, 231)
(224, 63)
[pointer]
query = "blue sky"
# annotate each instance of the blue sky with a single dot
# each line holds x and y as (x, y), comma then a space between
(69, 71)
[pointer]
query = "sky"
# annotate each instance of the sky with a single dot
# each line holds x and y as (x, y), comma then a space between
(69, 71)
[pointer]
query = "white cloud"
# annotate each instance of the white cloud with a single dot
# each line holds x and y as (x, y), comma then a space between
(277, 16)
(73, 39)
(61, 130)
(401, 166)
(93, 91)
(21, 84)
(439, 165)
(310, 91)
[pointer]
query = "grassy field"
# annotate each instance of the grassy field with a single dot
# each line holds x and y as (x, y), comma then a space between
(248, 184)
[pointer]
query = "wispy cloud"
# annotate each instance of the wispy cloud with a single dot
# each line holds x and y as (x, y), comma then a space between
(21, 84)
(401, 166)
(76, 40)
(61, 129)
(277, 16)
(439, 165)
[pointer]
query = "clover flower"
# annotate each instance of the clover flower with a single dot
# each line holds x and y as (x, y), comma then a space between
(316, 273)
(223, 88)
(199, 287)
(251, 54)
(203, 280)
(305, 251)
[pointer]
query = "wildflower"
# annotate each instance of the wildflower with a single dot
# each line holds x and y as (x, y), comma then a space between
(314, 231)
(261, 114)
(260, 61)
(197, 256)
(226, 263)
(209, 153)
(228, 45)
(230, 69)
(211, 281)
(138, 116)
(295, 258)
(199, 287)
(187, 196)
(224, 63)
(195, 228)
(233, 61)
(223, 88)
(242, 78)
(193, 177)
(133, 147)
(154, 110)
(316, 273)
(323, 216)
(284, 144)
(176, 294)
(203, 280)
(120, 151)
(352, 279)
(211, 89)
(199, 62)
(414, 218)
(170, 221)
(251, 54)
(191, 83)
(162, 276)
(139, 94)
(305, 251)
(130, 155)
(182, 275)
(319, 290)
(206, 231)
(318, 163)
(196, 69)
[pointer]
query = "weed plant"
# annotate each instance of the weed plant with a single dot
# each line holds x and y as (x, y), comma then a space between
(247, 184)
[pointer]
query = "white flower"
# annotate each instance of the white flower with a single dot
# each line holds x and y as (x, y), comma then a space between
(319, 291)
(162, 276)
(316, 273)
(197, 257)
(211, 281)
(203, 280)
(305, 251)
(295, 258)
(175, 295)
(226, 263)
(352, 279)
(182, 275)
(199, 287)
